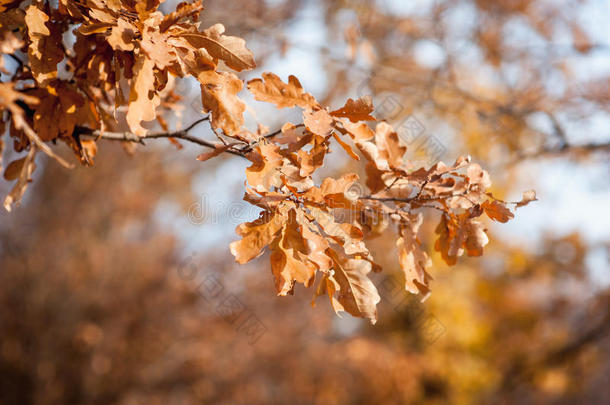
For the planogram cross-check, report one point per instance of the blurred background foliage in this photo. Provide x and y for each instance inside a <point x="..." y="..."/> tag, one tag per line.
<point x="95" y="307"/>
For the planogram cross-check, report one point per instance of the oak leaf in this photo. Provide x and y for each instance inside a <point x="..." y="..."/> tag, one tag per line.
<point x="356" y="293"/>
<point x="219" y="149"/>
<point x="256" y="236"/>
<point x="219" y="97"/>
<point x="528" y="197"/>
<point x="289" y="258"/>
<point x="458" y="234"/>
<point x="319" y="122"/>
<point x="143" y="98"/>
<point x="389" y="145"/>
<point x="183" y="10"/>
<point x="26" y="168"/>
<point x="264" y="173"/>
<point x="413" y="259"/>
<point x="231" y="50"/>
<point x="45" y="51"/>
<point x="14" y="169"/>
<point x="356" y="110"/>
<point x="272" y="89"/>
<point x="497" y="211"/>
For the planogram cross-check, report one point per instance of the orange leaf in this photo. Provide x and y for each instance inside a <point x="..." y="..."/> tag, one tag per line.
<point x="497" y="211"/>
<point x="356" y="110"/>
<point x="271" y="89"/>
<point x="219" y="149"/>
<point x="346" y="147"/>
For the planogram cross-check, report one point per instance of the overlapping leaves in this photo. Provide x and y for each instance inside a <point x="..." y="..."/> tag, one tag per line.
<point x="119" y="72"/>
<point x="317" y="234"/>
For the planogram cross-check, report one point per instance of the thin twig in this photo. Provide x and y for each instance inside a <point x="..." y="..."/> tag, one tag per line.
<point x="267" y="136"/>
<point x="194" y="124"/>
<point x="414" y="198"/>
<point x="279" y="131"/>
<point x="16" y="59"/>
<point x="180" y="134"/>
<point x="565" y="148"/>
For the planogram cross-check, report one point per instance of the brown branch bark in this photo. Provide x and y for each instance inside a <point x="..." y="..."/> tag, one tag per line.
<point x="563" y="149"/>
<point x="180" y="134"/>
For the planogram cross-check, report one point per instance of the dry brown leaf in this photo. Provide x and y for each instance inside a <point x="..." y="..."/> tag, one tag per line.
<point x="264" y="173"/>
<point x="231" y="50"/>
<point x="146" y="8"/>
<point x="272" y="89"/>
<point x="528" y="197"/>
<point x="356" y="293"/>
<point x="158" y="47"/>
<point x="268" y="201"/>
<point x="219" y="149"/>
<point x="35" y="20"/>
<point x="94" y="28"/>
<point x="290" y="176"/>
<point x="25" y="176"/>
<point x="143" y="98"/>
<point x="8" y="98"/>
<point x="89" y="150"/>
<point x="336" y="192"/>
<point x="289" y="258"/>
<point x="183" y="10"/>
<point x="9" y="43"/>
<point x="317" y="245"/>
<point x="457" y="234"/>
<point x="122" y="35"/>
<point x="346" y="235"/>
<point x="256" y="236"/>
<point x="356" y="110"/>
<point x="478" y="176"/>
<point x="497" y="211"/>
<point x="374" y="178"/>
<point x="46" y="49"/>
<point x="314" y="159"/>
<point x="413" y="259"/>
<point x="13" y="170"/>
<point x="219" y="97"/>
<point x="372" y="153"/>
<point x="346" y="147"/>
<point x="358" y="132"/>
<point x="476" y="238"/>
<point x="319" y="122"/>
<point x="389" y="145"/>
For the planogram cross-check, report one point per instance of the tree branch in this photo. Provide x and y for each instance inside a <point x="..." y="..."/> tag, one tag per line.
<point x="180" y="134"/>
<point x="565" y="148"/>
<point x="16" y="59"/>
<point x="410" y="199"/>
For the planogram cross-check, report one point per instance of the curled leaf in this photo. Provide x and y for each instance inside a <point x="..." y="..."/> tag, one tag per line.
<point x="356" y="110"/>
<point x="528" y="197"/>
<point x="497" y="211"/>
<point x="356" y="293"/>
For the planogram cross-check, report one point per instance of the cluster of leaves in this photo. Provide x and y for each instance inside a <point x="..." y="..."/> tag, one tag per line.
<point x="125" y="57"/>
<point x="319" y="231"/>
<point x="119" y="55"/>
